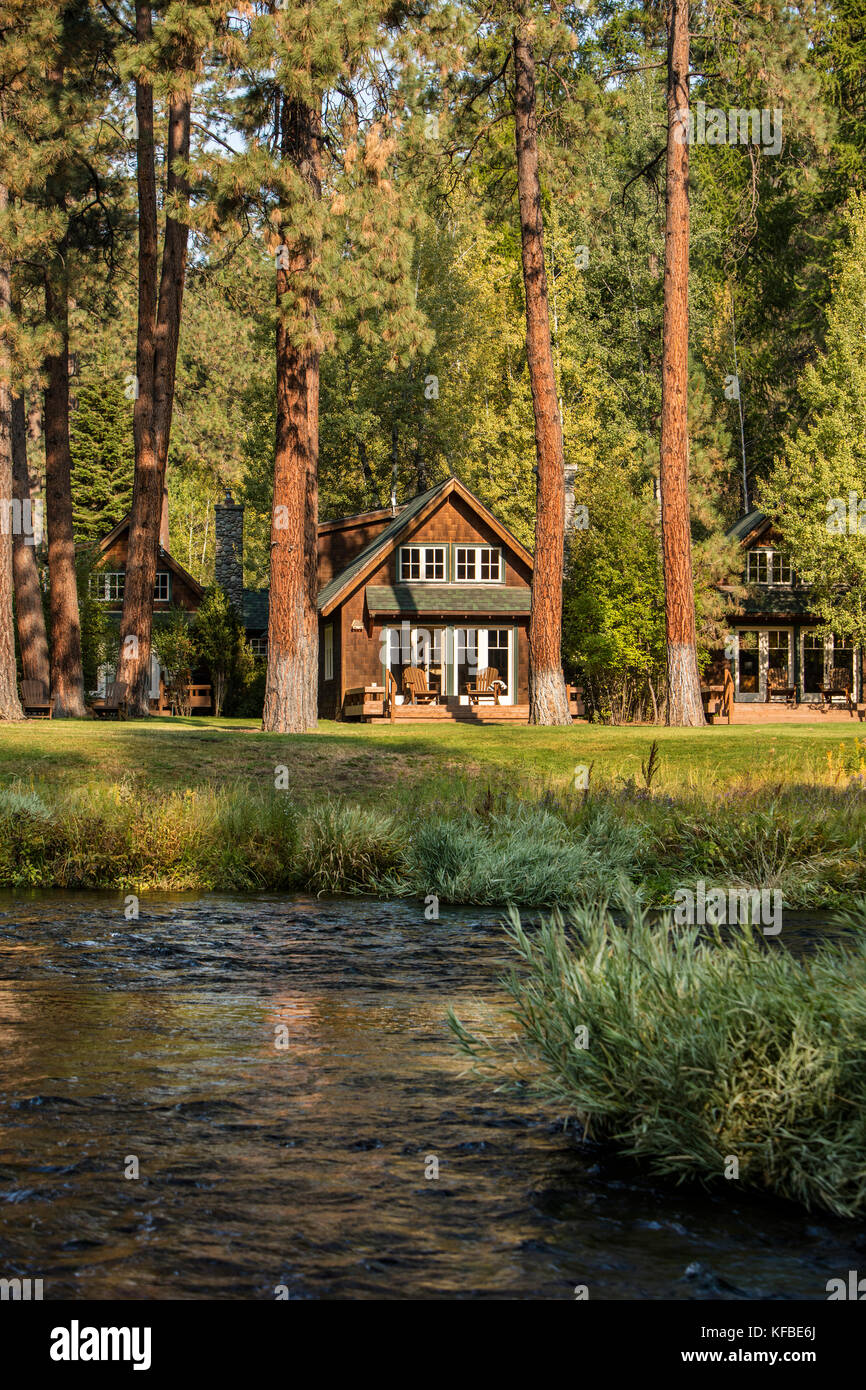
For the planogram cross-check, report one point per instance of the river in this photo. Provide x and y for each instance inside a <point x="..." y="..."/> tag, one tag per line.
<point x="279" y="1073"/>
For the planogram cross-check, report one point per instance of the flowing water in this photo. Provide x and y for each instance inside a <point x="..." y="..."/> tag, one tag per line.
<point x="304" y="1165"/>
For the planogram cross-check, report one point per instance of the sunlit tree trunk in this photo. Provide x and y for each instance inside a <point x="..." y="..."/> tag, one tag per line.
<point x="291" y="692"/>
<point x="10" y="706"/>
<point x="684" y="690"/>
<point x="159" y="318"/>
<point x="548" y="699"/>
<point x="67" y="681"/>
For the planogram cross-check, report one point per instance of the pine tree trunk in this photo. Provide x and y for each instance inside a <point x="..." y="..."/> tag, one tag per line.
<point x="10" y="705"/>
<point x="291" y="692"/>
<point x="548" y="699"/>
<point x="67" y="681"/>
<point x="137" y="616"/>
<point x="684" y="690"/>
<point x="159" y="322"/>
<point x="29" y="613"/>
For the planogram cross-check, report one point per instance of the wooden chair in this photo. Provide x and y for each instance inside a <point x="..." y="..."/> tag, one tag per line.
<point x="114" y="703"/>
<point x="779" y="688"/>
<point x="416" y="691"/>
<point x="837" y="685"/>
<point x="35" y="700"/>
<point x="488" y="684"/>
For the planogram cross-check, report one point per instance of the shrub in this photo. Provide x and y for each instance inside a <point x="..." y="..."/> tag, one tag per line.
<point x="696" y="1050"/>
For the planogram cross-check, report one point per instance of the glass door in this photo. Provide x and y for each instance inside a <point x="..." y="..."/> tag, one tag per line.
<point x="748" y="665"/>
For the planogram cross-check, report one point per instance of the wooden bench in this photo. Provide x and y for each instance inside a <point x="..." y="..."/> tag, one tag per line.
<point x="199" y="697"/>
<point x="364" y="701"/>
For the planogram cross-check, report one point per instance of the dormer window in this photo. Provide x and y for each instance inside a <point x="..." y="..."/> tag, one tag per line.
<point x="423" y="562"/>
<point x="767" y="566"/>
<point x="478" y="563"/>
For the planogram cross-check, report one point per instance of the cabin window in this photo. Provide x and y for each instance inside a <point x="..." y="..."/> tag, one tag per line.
<point x="329" y="653"/>
<point x="478" y="563"/>
<point x="259" y="646"/>
<point x="108" y="586"/>
<point x="422" y="562"/>
<point x="767" y="567"/>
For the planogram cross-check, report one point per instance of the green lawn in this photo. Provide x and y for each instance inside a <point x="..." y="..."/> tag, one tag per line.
<point x="476" y="815"/>
<point x="369" y="761"/>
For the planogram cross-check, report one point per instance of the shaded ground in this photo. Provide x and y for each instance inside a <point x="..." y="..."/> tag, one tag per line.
<point x="365" y="761"/>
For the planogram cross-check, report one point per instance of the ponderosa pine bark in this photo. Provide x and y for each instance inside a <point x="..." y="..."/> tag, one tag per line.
<point x="684" y="688"/>
<point x="29" y="613"/>
<point x="10" y="705"/>
<point x="548" y="698"/>
<point x="67" y="681"/>
<point x="291" y="692"/>
<point x="159" y="317"/>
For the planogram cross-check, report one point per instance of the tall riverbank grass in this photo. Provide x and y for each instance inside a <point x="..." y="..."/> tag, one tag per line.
<point x="713" y="1060"/>
<point x="463" y="841"/>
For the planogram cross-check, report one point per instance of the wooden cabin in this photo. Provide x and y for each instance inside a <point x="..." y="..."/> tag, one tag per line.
<point x="438" y="584"/>
<point x="774" y="651"/>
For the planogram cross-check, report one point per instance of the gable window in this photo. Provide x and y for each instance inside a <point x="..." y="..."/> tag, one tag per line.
<point x="767" y="567"/>
<point x="422" y="562"/>
<point x="108" y="586"/>
<point x="479" y="563"/>
<point x="259" y="646"/>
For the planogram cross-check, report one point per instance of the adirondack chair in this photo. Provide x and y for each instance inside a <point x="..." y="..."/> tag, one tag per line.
<point x="780" y="688"/>
<point x="35" y="700"/>
<point x="416" y="691"/>
<point x="488" y="684"/>
<point x="114" y="702"/>
<point x="837" y="686"/>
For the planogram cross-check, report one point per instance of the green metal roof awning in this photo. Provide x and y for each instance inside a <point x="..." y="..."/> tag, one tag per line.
<point x="481" y="600"/>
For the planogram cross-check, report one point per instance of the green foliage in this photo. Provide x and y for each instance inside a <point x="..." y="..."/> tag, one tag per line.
<point x="809" y="492"/>
<point x="99" y="635"/>
<point x="217" y="634"/>
<point x="696" y="1050"/>
<point x="103" y="460"/>
<point x="176" y="649"/>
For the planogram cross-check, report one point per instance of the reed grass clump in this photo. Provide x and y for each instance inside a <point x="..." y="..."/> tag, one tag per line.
<point x="686" y="1052"/>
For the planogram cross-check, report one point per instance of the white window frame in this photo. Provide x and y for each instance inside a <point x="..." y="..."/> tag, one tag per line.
<point x="259" y="646"/>
<point x="157" y="596"/>
<point x="328" y="636"/>
<point x="107" y="586"/>
<point x="774" y="561"/>
<point x="423" y="553"/>
<point x="479" y="554"/>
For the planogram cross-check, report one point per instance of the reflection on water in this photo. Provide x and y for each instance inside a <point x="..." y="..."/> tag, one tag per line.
<point x="304" y="1165"/>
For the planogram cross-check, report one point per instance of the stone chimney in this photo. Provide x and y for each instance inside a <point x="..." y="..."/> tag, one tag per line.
<point x="229" y="550"/>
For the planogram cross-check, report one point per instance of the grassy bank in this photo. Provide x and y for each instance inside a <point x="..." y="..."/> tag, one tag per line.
<point x="486" y="816"/>
<point x="713" y="1061"/>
